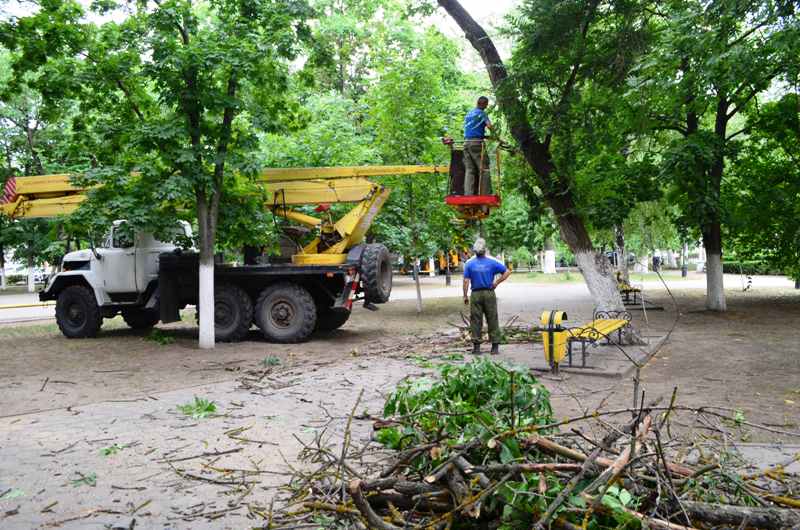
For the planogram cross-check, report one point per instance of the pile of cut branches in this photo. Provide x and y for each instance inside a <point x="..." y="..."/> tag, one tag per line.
<point x="479" y="448"/>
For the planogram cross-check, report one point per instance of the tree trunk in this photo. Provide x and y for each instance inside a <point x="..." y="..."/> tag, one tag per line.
<point x="555" y="187"/>
<point x="715" y="291"/>
<point x="685" y="260"/>
<point x="2" y="268"/>
<point x="205" y="295"/>
<point x="31" y="281"/>
<point x="416" y="283"/>
<point x="37" y="167"/>
<point x="549" y="257"/>
<point x="622" y="258"/>
<point x="712" y="230"/>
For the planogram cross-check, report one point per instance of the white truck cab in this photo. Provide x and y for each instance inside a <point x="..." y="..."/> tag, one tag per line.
<point x="119" y="276"/>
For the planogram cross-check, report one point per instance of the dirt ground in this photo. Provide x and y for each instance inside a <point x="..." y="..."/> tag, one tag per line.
<point x="62" y="401"/>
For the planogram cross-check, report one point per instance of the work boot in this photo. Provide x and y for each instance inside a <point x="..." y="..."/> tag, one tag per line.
<point x="495" y="349"/>
<point x="476" y="348"/>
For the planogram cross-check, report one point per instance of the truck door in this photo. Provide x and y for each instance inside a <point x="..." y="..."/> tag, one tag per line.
<point x="118" y="266"/>
<point x="148" y="248"/>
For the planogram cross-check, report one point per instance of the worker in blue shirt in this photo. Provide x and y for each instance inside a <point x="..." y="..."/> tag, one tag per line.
<point x="479" y="273"/>
<point x="476" y="160"/>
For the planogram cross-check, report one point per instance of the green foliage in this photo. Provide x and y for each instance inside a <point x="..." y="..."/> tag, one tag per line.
<point x="334" y="135"/>
<point x="160" y="337"/>
<point x="12" y="493"/>
<point x="111" y="449"/>
<point x="270" y="360"/>
<point x="522" y="257"/>
<point x="477" y="400"/>
<point x="651" y="225"/>
<point x="496" y="405"/>
<point x="175" y="92"/>
<point x="414" y="102"/>
<point x="751" y="267"/>
<point x="85" y="479"/>
<point x="199" y="408"/>
<point x="570" y="66"/>
<point x="763" y="192"/>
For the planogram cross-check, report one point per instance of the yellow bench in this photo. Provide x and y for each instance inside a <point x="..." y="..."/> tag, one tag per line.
<point x="626" y="290"/>
<point x="603" y="326"/>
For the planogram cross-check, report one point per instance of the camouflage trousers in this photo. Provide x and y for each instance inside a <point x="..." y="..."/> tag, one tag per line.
<point x="483" y="303"/>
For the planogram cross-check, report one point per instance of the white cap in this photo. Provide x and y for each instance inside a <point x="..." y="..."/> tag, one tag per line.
<point x="480" y="246"/>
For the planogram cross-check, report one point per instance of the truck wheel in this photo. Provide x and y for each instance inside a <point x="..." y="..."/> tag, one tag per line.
<point x="138" y="318"/>
<point x="285" y="312"/>
<point x="233" y="313"/>
<point x="77" y="313"/>
<point x="328" y="320"/>
<point x="376" y="272"/>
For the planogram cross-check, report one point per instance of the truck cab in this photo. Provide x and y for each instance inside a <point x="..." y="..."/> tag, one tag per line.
<point x="120" y="276"/>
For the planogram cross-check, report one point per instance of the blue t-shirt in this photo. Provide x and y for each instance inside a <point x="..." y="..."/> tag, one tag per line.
<point x="481" y="271"/>
<point x="475" y="124"/>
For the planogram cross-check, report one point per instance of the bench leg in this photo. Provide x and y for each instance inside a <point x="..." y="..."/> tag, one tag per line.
<point x="583" y="354"/>
<point x="569" y="351"/>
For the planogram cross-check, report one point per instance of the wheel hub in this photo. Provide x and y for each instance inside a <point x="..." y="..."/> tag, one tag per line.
<point x="223" y="314"/>
<point x="75" y="314"/>
<point x="282" y="314"/>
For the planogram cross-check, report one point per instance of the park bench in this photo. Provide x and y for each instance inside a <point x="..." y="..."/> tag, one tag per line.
<point x="603" y="326"/>
<point x="626" y="290"/>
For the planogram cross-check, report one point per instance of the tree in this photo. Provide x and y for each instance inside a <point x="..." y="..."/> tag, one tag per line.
<point x="763" y="191"/>
<point x="29" y="239"/>
<point x="561" y="48"/>
<point x="711" y="63"/>
<point x="410" y="107"/>
<point x="183" y="88"/>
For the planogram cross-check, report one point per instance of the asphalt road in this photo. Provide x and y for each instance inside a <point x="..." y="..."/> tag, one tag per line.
<point x="433" y="287"/>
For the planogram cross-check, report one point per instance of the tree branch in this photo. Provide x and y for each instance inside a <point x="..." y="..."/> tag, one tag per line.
<point x="130" y="99"/>
<point x="222" y="145"/>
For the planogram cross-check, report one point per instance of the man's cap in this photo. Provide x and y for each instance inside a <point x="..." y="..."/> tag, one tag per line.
<point x="479" y="246"/>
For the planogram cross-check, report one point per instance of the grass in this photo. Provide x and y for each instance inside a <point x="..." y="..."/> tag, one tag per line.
<point x="577" y="277"/>
<point x="199" y="408"/>
<point x="159" y="337"/>
<point x="88" y="479"/>
<point x="271" y="360"/>
<point x="111" y="449"/>
<point x="540" y="277"/>
<point x="38" y="329"/>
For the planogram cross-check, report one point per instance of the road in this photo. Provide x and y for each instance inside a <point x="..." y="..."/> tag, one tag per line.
<point x="434" y="288"/>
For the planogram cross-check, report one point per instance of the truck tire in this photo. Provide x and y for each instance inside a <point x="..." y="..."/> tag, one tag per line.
<point x="285" y="312"/>
<point x="139" y="318"/>
<point x="77" y="313"/>
<point x="328" y="320"/>
<point x="376" y="273"/>
<point x="233" y="313"/>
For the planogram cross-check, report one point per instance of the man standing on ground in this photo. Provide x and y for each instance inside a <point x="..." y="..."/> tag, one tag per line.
<point x="479" y="273"/>
<point x="476" y="159"/>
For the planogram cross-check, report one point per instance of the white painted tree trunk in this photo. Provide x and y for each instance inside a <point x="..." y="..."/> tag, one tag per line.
<point x="431" y="268"/>
<point x="416" y="283"/>
<point x="549" y="263"/>
<point x="3" y="283"/>
<point x="31" y="281"/>
<point x="715" y="290"/>
<point x="599" y="278"/>
<point x="206" y="303"/>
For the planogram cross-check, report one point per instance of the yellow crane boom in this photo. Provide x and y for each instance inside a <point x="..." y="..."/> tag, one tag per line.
<point x="54" y="195"/>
